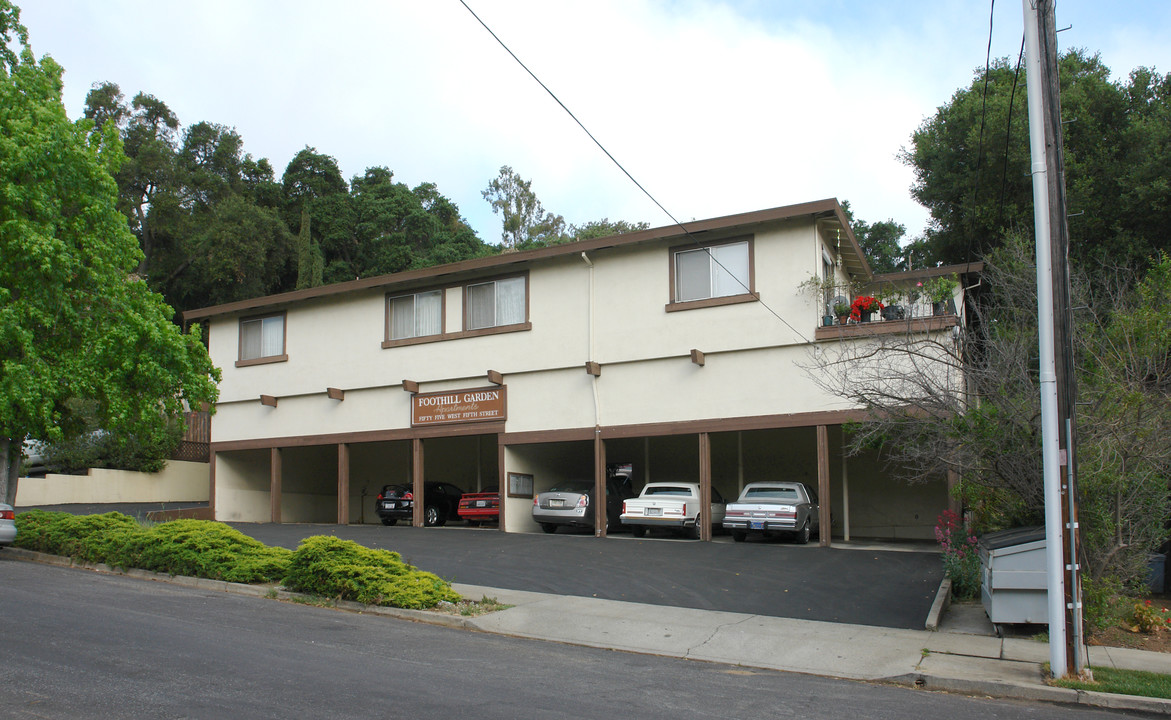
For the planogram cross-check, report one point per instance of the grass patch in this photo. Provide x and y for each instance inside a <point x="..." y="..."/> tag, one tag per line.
<point x="1122" y="682"/>
<point x="472" y="608"/>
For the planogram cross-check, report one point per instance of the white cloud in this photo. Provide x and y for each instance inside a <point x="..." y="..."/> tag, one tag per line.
<point x="715" y="107"/>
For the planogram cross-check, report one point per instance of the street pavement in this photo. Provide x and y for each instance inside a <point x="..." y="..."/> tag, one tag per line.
<point x="963" y="655"/>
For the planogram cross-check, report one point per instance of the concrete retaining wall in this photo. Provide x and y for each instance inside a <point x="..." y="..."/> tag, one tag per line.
<point x="178" y="482"/>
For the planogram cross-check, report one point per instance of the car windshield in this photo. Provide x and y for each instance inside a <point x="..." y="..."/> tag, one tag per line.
<point x="669" y="490"/>
<point x="780" y="493"/>
<point x="577" y="486"/>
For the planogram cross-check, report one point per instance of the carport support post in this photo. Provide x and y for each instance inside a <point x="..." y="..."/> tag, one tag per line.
<point x="823" y="514"/>
<point x="705" y="486"/>
<point x="343" y="484"/>
<point x="417" y="481"/>
<point x="274" y="484"/>
<point x="503" y="484"/>
<point x="602" y="505"/>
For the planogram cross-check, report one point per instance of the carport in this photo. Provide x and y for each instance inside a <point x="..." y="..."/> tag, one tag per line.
<point x="305" y="482"/>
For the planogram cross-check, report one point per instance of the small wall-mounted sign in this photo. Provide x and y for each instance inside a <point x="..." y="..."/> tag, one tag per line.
<point x="488" y="404"/>
<point x="520" y="485"/>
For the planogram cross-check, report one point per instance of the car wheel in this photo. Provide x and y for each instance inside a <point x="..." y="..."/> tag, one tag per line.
<point x="431" y="516"/>
<point x="803" y="534"/>
<point x="388" y="521"/>
<point x="697" y="531"/>
<point x="739" y="535"/>
<point x="549" y="528"/>
<point x="638" y="531"/>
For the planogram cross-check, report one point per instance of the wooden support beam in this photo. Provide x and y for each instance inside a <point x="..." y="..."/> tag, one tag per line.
<point x="274" y="484"/>
<point x="495" y="378"/>
<point x="335" y="393"/>
<point x="503" y="484"/>
<point x="410" y="386"/>
<point x="593" y="368"/>
<point x="417" y="481"/>
<point x="697" y="357"/>
<point x="343" y="484"/>
<point x="705" y="486"/>
<point x="268" y="400"/>
<point x="823" y="496"/>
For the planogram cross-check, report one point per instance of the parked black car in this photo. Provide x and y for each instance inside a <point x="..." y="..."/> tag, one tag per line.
<point x="397" y="502"/>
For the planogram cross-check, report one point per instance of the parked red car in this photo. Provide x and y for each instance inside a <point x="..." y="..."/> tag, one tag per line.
<point x="481" y="507"/>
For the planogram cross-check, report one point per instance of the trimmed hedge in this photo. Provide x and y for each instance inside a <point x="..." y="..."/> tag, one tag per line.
<point x="322" y="565"/>
<point x="345" y="570"/>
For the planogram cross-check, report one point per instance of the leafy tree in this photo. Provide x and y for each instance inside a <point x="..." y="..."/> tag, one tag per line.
<point x="972" y="165"/>
<point x="525" y="221"/>
<point x="972" y="405"/>
<point x="880" y="242"/>
<point x="605" y="227"/>
<point x="75" y="322"/>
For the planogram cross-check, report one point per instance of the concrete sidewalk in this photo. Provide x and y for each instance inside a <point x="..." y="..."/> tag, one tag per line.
<point x="952" y="659"/>
<point x="942" y="660"/>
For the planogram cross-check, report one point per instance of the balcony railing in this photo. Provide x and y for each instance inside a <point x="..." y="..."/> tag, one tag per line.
<point x="903" y="306"/>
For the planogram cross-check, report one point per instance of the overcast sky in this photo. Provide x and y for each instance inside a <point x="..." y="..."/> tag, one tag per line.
<point x="714" y="107"/>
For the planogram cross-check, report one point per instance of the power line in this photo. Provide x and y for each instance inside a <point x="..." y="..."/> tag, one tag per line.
<point x="637" y="184"/>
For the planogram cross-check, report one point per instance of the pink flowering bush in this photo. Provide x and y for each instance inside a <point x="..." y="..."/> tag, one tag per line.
<point x="961" y="561"/>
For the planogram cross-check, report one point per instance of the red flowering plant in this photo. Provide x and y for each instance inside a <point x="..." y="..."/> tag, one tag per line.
<point x="961" y="561"/>
<point x="1149" y="618"/>
<point x="862" y="304"/>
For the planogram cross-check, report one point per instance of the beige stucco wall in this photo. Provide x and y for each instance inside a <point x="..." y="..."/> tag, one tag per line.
<point x="177" y="482"/>
<point x="647" y="377"/>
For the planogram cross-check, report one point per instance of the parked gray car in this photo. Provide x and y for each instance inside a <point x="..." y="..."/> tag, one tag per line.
<point x="771" y="508"/>
<point x="7" y="524"/>
<point x="572" y="504"/>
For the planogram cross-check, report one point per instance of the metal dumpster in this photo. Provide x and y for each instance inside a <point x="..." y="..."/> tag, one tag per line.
<point x="1014" y="588"/>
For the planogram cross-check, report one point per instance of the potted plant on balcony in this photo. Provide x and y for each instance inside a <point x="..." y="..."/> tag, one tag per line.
<point x="863" y="307"/>
<point x="820" y="289"/>
<point x="842" y="310"/>
<point x="941" y="291"/>
<point x="888" y="297"/>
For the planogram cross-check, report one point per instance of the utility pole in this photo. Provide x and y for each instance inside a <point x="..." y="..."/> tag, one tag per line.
<point x="1058" y="389"/>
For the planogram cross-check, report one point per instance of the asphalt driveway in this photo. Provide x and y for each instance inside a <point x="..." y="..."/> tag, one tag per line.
<point x="857" y="585"/>
<point x="860" y="584"/>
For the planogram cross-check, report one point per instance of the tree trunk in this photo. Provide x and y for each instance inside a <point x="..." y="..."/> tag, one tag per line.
<point x="9" y="469"/>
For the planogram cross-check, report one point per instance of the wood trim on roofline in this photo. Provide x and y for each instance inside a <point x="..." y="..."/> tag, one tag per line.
<point x="817" y="208"/>
<point x="683" y="427"/>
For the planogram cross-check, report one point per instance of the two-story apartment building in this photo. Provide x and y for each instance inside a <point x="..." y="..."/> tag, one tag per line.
<point x="679" y="352"/>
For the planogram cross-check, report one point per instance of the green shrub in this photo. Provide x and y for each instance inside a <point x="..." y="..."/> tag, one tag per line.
<point x="92" y="538"/>
<point x="343" y="569"/>
<point x="1104" y="602"/>
<point x="204" y="548"/>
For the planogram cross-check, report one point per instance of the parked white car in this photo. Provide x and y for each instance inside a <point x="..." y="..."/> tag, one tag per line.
<point x="671" y="505"/>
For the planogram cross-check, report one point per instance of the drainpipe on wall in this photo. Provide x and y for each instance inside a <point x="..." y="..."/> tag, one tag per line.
<point x="590" y="355"/>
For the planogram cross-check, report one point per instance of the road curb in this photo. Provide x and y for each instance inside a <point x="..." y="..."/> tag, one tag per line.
<point x="942" y="600"/>
<point x="423" y="616"/>
<point x="1036" y="692"/>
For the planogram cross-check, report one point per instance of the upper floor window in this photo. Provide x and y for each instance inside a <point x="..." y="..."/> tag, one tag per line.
<point x="722" y="270"/>
<point x="413" y="316"/>
<point x="496" y="303"/>
<point x="262" y="339"/>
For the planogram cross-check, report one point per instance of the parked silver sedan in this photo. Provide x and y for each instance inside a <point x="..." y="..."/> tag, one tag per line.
<point x="7" y="524"/>
<point x="572" y="504"/>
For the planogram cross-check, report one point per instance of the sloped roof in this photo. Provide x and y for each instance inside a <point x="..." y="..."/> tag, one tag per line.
<point x="828" y="214"/>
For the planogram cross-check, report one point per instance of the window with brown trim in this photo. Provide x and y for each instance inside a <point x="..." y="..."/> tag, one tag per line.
<point x="414" y="316"/>
<point x="712" y="274"/>
<point x="262" y="339"/>
<point x="496" y="303"/>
